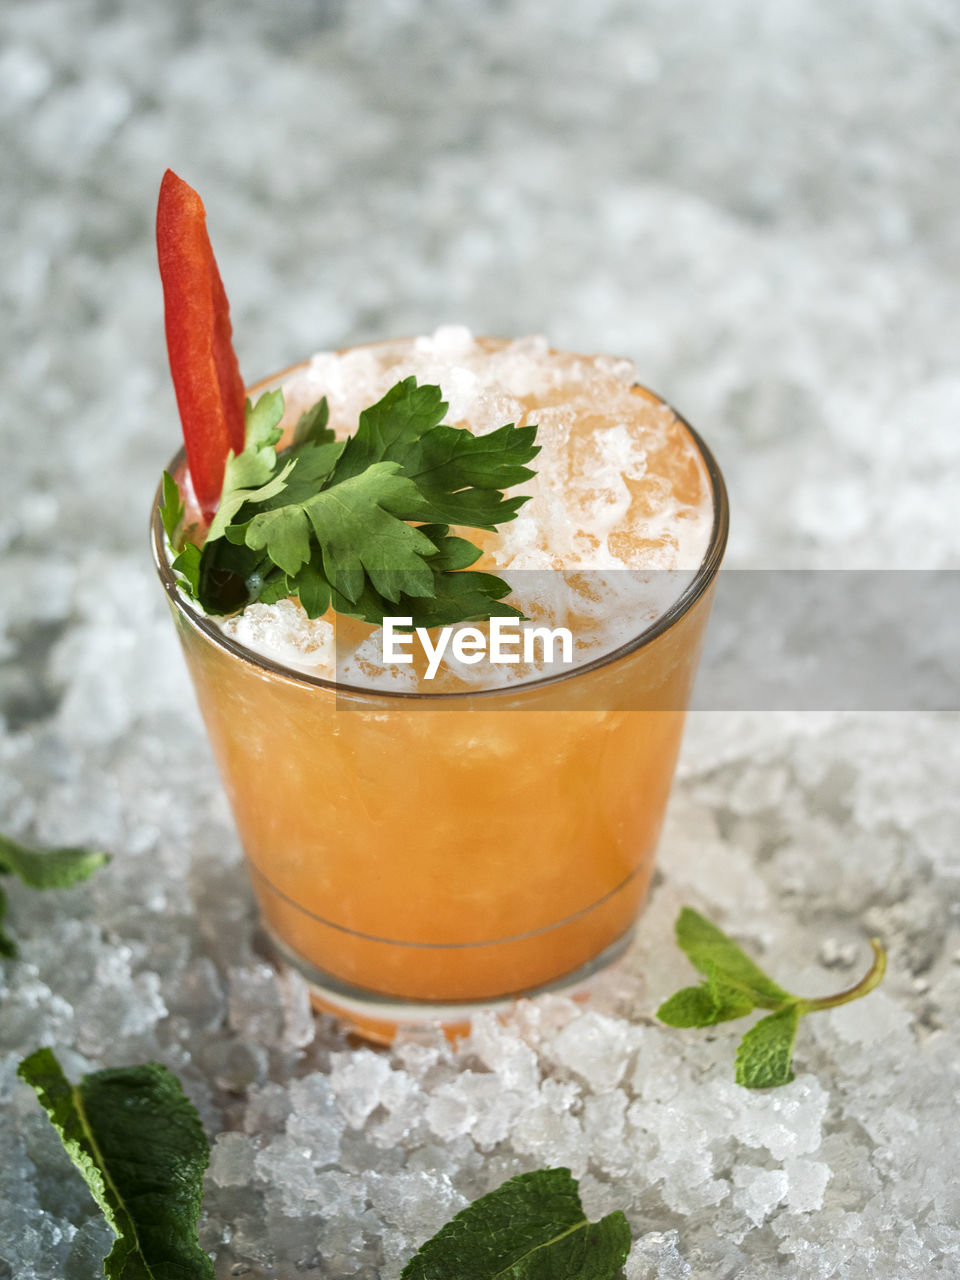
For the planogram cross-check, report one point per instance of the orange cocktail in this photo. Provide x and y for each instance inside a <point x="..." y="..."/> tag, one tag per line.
<point x="420" y="848"/>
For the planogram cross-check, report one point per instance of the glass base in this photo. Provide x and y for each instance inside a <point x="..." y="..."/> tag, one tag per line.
<point x="378" y="1017"/>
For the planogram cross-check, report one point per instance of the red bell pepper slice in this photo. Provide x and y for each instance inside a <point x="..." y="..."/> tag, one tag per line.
<point x="206" y="375"/>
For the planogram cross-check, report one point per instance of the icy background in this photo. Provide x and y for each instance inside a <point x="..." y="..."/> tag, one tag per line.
<point x="758" y="203"/>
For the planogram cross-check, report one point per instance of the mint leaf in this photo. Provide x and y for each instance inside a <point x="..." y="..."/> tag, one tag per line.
<point x="140" y="1146"/>
<point x="42" y="869"/>
<point x="8" y="948"/>
<point x="765" y="1055"/>
<point x="735" y="986"/>
<point x="698" y="1007"/>
<point x="688" y="1007"/>
<point x="712" y="1002"/>
<point x="711" y="951"/>
<point x="728" y="1001"/>
<point x="49" y="868"/>
<point x="531" y="1228"/>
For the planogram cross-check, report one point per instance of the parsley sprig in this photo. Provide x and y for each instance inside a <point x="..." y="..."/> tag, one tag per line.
<point x="734" y="986"/>
<point x="361" y="524"/>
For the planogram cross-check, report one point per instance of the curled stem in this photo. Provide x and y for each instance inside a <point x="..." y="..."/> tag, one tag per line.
<point x="867" y="983"/>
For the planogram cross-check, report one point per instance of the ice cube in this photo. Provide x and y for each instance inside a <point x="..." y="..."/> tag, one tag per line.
<point x="358" y="1080"/>
<point x="513" y="1061"/>
<point x="656" y="1256"/>
<point x="255" y="1003"/>
<point x="597" y="1048"/>
<point x="807" y="1184"/>
<point x="232" y="1159"/>
<point x="758" y="1191"/>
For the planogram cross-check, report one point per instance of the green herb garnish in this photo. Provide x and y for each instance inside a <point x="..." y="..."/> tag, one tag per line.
<point x="139" y="1144"/>
<point x="734" y="986"/>
<point x="361" y="524"/>
<point x="531" y="1228"/>
<point x="43" y="869"/>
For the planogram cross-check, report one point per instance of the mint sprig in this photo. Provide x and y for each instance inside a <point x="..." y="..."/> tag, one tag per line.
<point x="531" y="1228"/>
<point x="362" y="524"/>
<point x="138" y="1141"/>
<point x="734" y="986"/>
<point x="43" y="869"/>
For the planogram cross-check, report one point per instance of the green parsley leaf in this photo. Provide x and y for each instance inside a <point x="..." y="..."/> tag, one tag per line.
<point x="312" y="426"/>
<point x="277" y="586"/>
<point x="187" y="568"/>
<point x="735" y="986"/>
<point x="284" y="533"/>
<point x="314" y="466"/>
<point x="457" y="472"/>
<point x="186" y="562"/>
<point x="401" y="417"/>
<point x="452" y="552"/>
<point x="171" y="508"/>
<point x="139" y="1144"/>
<point x="251" y="476"/>
<point x="460" y="474"/>
<point x="361" y="524"/>
<point x="765" y="1055"/>
<point x="458" y="597"/>
<point x="230" y="576"/>
<point x="361" y="529"/>
<point x="531" y="1228"/>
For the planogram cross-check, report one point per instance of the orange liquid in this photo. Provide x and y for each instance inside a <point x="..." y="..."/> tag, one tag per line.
<point x="453" y="850"/>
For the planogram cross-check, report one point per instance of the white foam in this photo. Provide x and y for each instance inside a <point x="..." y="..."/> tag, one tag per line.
<point x="284" y="633"/>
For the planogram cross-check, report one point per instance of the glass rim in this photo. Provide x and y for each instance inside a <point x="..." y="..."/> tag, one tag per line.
<point x="692" y="592"/>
